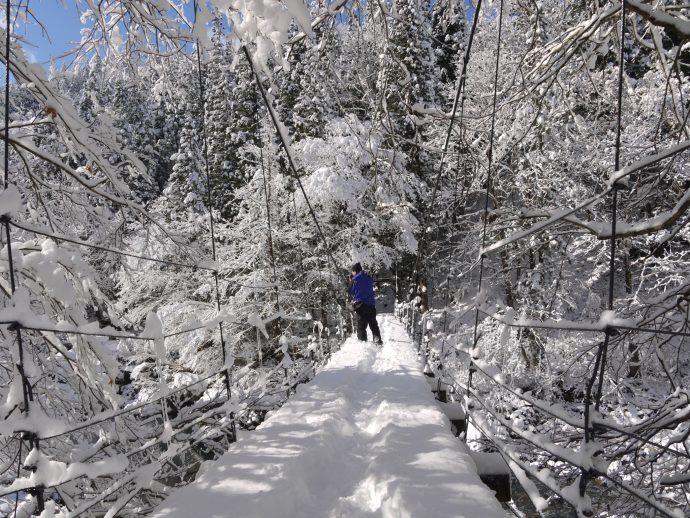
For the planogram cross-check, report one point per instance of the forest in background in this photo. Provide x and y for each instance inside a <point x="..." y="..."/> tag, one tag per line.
<point x="160" y="120"/>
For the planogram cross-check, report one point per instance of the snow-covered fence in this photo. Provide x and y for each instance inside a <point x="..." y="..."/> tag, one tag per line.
<point x="544" y="441"/>
<point x="121" y="460"/>
<point x="128" y="457"/>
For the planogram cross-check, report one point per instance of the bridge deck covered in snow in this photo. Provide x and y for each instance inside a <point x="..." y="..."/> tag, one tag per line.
<point x="364" y="438"/>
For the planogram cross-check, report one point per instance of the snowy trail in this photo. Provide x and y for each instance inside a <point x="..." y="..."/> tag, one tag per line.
<point x="363" y="439"/>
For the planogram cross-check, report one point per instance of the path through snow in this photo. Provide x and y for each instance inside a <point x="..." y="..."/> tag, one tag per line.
<point x="363" y="439"/>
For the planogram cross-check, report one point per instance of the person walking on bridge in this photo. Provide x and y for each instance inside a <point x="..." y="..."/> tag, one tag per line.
<point x="364" y="303"/>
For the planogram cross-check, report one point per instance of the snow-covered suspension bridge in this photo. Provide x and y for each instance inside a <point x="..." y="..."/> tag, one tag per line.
<point x="364" y="438"/>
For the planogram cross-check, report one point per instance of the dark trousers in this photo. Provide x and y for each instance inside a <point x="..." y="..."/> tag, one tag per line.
<point x="366" y="316"/>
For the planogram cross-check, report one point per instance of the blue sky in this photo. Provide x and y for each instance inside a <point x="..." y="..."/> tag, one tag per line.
<point x="62" y="24"/>
<point x="61" y="21"/>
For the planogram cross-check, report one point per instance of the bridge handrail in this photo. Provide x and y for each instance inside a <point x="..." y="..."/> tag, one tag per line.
<point x="542" y="443"/>
<point x="200" y="435"/>
<point x="552" y="450"/>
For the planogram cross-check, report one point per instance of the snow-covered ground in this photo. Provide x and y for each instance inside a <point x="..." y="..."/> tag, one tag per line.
<point x="364" y="438"/>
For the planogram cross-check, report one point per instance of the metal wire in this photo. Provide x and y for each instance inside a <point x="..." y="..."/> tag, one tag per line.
<point x="609" y="330"/>
<point x="67" y="239"/>
<point x="586" y="475"/>
<point x="79" y="242"/>
<point x="459" y="97"/>
<point x="6" y="138"/>
<point x="648" y="499"/>
<point x="272" y="355"/>
<point x="57" y="330"/>
<point x="288" y="153"/>
<point x="197" y="420"/>
<point x="475" y="337"/>
<point x="601" y="363"/>
<point x="572" y="422"/>
<point x="594" y="327"/>
<point x="202" y="102"/>
<point x="505" y="423"/>
<point x="269" y="231"/>
<point x="114" y="333"/>
<point x="27" y="391"/>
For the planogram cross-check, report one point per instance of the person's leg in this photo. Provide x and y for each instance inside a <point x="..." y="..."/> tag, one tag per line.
<point x="361" y="325"/>
<point x="373" y="324"/>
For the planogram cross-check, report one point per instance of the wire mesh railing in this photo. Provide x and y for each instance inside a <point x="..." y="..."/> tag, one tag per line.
<point x="540" y="434"/>
<point x="122" y="462"/>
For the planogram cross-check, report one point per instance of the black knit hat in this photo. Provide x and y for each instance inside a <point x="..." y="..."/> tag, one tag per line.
<point x="356" y="267"/>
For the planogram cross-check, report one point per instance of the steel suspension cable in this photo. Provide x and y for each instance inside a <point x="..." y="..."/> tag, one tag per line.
<point x="614" y="191"/>
<point x="6" y="139"/>
<point x="202" y="102"/>
<point x="288" y="153"/>
<point x="451" y="253"/>
<point x="600" y="361"/>
<point x="299" y="246"/>
<point x="269" y="232"/>
<point x="295" y="175"/>
<point x="271" y="252"/>
<point x="27" y="391"/>
<point x="486" y="200"/>
<point x="67" y="239"/>
<point x="459" y="98"/>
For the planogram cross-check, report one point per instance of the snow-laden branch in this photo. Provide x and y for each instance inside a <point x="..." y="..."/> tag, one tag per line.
<point x="657" y="16"/>
<point x="19" y="312"/>
<point x="675" y="413"/>
<point x="82" y="137"/>
<point x="584" y="458"/>
<point x="659" y="222"/>
<point x="553" y="217"/>
<point x="607" y="320"/>
<point x="50" y="473"/>
<point x="513" y="459"/>
<point x="201" y="265"/>
<point x="331" y="10"/>
<point x="600" y="229"/>
<point x="550" y="59"/>
<point x="120" y="30"/>
<point x="48" y="336"/>
<point x="640" y="164"/>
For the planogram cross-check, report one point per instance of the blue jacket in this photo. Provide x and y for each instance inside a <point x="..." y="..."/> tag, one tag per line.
<point x="362" y="289"/>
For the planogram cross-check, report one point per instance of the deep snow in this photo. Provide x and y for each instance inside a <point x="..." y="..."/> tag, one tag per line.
<point x="364" y="438"/>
